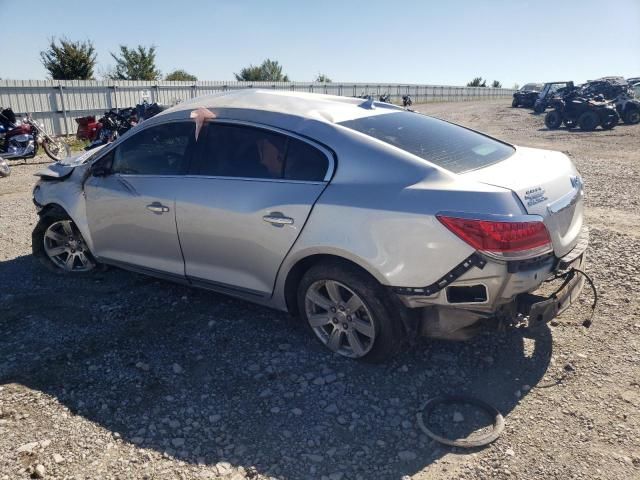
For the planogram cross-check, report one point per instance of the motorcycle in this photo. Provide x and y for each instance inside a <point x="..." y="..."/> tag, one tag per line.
<point x="113" y="123"/>
<point x="587" y="113"/>
<point x="23" y="139"/>
<point x="406" y="101"/>
<point x="386" y="98"/>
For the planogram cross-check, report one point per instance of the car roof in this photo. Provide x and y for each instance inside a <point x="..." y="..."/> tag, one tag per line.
<point x="313" y="106"/>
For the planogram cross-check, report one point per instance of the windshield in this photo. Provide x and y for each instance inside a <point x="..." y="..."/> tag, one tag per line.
<point x="447" y="145"/>
<point x="532" y="86"/>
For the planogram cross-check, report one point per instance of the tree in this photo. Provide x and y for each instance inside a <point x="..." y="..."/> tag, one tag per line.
<point x="322" y="78"/>
<point x="477" y="82"/>
<point x="496" y="84"/>
<point x="180" y="76"/>
<point x="67" y="60"/>
<point x="135" y="64"/>
<point x="516" y="86"/>
<point x="268" y="71"/>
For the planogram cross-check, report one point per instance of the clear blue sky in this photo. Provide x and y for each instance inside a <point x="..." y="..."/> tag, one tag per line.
<point x="412" y="41"/>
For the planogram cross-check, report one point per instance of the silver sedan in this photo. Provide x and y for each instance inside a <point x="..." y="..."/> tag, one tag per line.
<point x="372" y="223"/>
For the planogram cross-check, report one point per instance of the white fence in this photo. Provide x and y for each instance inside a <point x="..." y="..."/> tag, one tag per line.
<point x="57" y="103"/>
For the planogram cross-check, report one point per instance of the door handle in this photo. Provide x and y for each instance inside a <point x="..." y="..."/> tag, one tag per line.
<point x="157" y="207"/>
<point x="277" y="219"/>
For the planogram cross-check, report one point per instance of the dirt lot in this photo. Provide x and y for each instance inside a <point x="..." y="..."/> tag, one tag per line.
<point x="117" y="375"/>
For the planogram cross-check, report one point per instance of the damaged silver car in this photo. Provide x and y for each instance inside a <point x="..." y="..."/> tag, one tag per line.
<point x="372" y="223"/>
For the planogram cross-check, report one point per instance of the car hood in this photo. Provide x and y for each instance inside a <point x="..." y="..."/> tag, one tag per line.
<point x="62" y="169"/>
<point x="547" y="184"/>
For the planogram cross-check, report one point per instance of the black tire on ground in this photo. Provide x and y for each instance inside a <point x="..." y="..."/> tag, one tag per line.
<point x="588" y="121"/>
<point x="553" y="120"/>
<point x="539" y="108"/>
<point x="514" y="103"/>
<point x="631" y="115"/>
<point x="610" y="120"/>
<point x="389" y="332"/>
<point x="51" y="216"/>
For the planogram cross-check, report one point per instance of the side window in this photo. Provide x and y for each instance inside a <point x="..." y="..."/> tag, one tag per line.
<point x="305" y="162"/>
<point x="241" y="151"/>
<point x="159" y="150"/>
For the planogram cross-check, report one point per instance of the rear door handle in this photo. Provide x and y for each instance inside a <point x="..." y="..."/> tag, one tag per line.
<point x="157" y="207"/>
<point x="277" y="219"/>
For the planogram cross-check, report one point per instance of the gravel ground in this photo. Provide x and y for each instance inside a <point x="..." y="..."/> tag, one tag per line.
<point x="118" y="376"/>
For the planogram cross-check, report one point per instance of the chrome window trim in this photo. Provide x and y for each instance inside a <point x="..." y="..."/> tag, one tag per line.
<point x="325" y="151"/>
<point x="214" y="177"/>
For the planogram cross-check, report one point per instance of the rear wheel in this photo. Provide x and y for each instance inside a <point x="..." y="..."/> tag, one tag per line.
<point x="632" y="116"/>
<point x="349" y="312"/>
<point x="59" y="245"/>
<point x="553" y="120"/>
<point x="588" y="121"/>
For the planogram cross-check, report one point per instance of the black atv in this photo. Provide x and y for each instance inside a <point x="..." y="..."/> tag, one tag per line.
<point x="527" y="95"/>
<point x="618" y="91"/>
<point x="586" y="113"/>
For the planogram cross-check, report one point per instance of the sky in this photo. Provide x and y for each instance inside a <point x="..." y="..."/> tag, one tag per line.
<point x="405" y="41"/>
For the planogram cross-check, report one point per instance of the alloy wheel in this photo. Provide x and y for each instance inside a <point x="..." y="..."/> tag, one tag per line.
<point x="66" y="248"/>
<point x="340" y="318"/>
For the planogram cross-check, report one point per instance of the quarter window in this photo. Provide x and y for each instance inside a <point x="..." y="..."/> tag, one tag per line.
<point x="159" y="150"/>
<point x="305" y="162"/>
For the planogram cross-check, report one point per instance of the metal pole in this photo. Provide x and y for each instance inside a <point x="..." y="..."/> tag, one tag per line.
<point x="64" y="111"/>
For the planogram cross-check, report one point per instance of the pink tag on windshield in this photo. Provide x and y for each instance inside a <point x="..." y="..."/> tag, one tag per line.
<point x="200" y="116"/>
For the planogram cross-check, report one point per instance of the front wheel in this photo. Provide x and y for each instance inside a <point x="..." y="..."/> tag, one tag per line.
<point x="349" y="312"/>
<point x="539" y="107"/>
<point x="59" y="245"/>
<point x="56" y="149"/>
<point x="553" y="120"/>
<point x="514" y="103"/>
<point x="609" y="121"/>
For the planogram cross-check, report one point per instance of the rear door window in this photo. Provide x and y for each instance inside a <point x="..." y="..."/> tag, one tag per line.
<point x="449" y="146"/>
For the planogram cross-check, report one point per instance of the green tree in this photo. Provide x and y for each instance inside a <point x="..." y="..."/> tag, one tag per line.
<point x="268" y="71"/>
<point x="68" y="60"/>
<point x="322" y="78"/>
<point x="135" y="64"/>
<point x="180" y="76"/>
<point x="477" y="82"/>
<point x="496" y="84"/>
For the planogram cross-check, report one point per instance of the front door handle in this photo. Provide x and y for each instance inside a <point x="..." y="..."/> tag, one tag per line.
<point x="157" y="207"/>
<point x="277" y="219"/>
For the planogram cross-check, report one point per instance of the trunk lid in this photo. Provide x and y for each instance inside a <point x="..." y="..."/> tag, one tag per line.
<point x="547" y="184"/>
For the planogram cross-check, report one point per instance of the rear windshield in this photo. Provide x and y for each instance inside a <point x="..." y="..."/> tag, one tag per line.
<point x="532" y="86"/>
<point x="444" y="144"/>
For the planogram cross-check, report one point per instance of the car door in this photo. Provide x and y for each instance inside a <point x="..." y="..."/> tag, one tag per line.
<point x="244" y="203"/>
<point x="131" y="204"/>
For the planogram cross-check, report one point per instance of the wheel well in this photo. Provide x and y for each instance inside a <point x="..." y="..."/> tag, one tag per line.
<point x="52" y="207"/>
<point x="302" y="266"/>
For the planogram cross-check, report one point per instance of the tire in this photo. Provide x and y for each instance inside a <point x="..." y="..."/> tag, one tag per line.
<point x="609" y="121"/>
<point x="58" y="150"/>
<point x="539" y="107"/>
<point x="514" y="103"/>
<point x="360" y="324"/>
<point x="553" y="120"/>
<point x="55" y="232"/>
<point x="632" y="116"/>
<point x="588" y="121"/>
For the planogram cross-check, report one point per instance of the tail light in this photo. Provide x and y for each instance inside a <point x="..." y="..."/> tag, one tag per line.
<point x="503" y="239"/>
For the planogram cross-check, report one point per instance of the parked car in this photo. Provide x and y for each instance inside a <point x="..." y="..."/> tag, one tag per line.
<point x="527" y="95"/>
<point x="372" y="223"/>
<point x="548" y="91"/>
